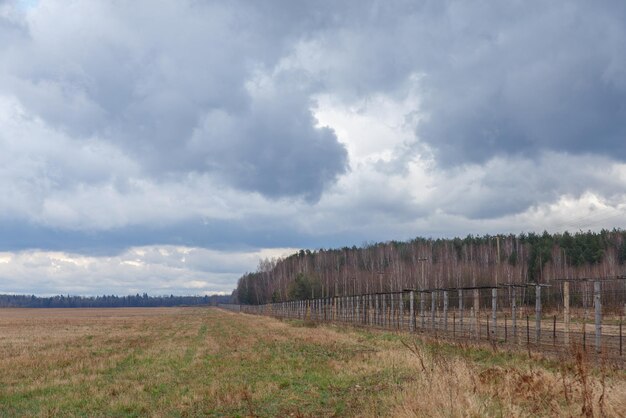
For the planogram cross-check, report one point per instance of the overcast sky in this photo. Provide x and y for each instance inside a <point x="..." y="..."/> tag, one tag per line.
<point x="166" y="146"/>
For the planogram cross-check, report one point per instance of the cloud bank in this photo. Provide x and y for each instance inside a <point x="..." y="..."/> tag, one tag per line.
<point x="245" y="127"/>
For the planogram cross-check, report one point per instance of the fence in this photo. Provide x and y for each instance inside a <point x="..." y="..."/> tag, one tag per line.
<point x="526" y="316"/>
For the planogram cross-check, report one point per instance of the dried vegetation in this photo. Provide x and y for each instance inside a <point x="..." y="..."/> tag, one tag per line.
<point x="207" y="362"/>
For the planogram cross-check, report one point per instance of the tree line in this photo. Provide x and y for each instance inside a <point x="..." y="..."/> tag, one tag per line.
<point x="108" y="301"/>
<point x="424" y="263"/>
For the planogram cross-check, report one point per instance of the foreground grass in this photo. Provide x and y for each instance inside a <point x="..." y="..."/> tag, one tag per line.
<point x="208" y="362"/>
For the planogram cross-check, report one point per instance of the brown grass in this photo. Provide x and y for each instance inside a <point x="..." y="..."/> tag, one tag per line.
<point x="208" y="362"/>
<point x="456" y="386"/>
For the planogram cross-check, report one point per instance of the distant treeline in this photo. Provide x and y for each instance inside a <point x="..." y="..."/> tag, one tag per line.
<point x="424" y="263"/>
<point x="112" y="301"/>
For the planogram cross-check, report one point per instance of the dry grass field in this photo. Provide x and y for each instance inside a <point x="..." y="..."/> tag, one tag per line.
<point x="208" y="362"/>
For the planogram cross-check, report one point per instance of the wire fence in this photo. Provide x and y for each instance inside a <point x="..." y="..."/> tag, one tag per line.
<point x="521" y="316"/>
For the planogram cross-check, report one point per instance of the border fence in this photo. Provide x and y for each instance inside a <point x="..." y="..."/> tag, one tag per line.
<point x="585" y="313"/>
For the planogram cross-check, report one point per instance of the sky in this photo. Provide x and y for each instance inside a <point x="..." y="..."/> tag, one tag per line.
<point x="166" y="146"/>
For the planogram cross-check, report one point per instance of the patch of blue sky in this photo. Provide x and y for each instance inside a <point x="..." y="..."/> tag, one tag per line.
<point x="27" y="4"/>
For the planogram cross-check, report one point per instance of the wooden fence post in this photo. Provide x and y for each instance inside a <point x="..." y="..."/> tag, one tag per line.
<point x="514" y="314"/>
<point x="376" y="310"/>
<point x="494" y="302"/>
<point x="412" y="310"/>
<point x="401" y="311"/>
<point x="422" y="318"/>
<point x="392" y="305"/>
<point x="433" y="300"/>
<point x="445" y="311"/>
<point x="383" y="308"/>
<point x="477" y="313"/>
<point x="598" y="308"/>
<point x="461" y="311"/>
<point x="528" y="334"/>
<point x="538" y="313"/>
<point x="621" y="320"/>
<point x="566" y="312"/>
<point x="473" y="324"/>
<point x="453" y="324"/>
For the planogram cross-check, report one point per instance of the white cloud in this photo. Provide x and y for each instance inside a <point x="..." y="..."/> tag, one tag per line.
<point x="157" y="270"/>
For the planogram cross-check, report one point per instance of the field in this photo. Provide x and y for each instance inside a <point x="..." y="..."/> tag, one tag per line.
<point x="209" y="362"/>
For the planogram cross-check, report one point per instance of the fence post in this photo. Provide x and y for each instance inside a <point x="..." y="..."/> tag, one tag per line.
<point x="477" y="312"/>
<point x="514" y="314"/>
<point x="598" y="308"/>
<point x="566" y="312"/>
<point x="393" y="313"/>
<point x="412" y="311"/>
<point x="366" y="309"/>
<point x="340" y="309"/>
<point x="528" y="334"/>
<point x="351" y="315"/>
<point x="538" y="313"/>
<point x="461" y="310"/>
<point x="506" y="331"/>
<point x="360" y="314"/>
<point x="584" y="325"/>
<point x="620" y="336"/>
<point x="320" y="312"/>
<point x="376" y="309"/>
<point x="445" y="311"/>
<point x="383" y="310"/>
<point x="422" y="318"/>
<point x="401" y="310"/>
<point x="328" y="308"/>
<point x="433" y="300"/>
<point x="494" y="301"/>
<point x="453" y="325"/>
<point x="472" y="323"/>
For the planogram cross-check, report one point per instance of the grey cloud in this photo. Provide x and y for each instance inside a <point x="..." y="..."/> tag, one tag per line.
<point x="273" y="147"/>
<point x="225" y="90"/>
<point x="148" y="88"/>
<point x="496" y="78"/>
<point x="509" y="186"/>
<point x="517" y="83"/>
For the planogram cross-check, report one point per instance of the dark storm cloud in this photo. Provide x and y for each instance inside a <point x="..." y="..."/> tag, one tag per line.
<point x="518" y="79"/>
<point x="164" y="91"/>
<point x="272" y="147"/>
<point x="496" y="78"/>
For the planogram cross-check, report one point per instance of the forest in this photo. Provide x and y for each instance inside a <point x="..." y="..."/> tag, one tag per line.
<point x="106" y="301"/>
<point x="426" y="263"/>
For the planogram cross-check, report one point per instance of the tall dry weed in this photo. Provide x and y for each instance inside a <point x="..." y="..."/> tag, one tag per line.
<point x="455" y="386"/>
